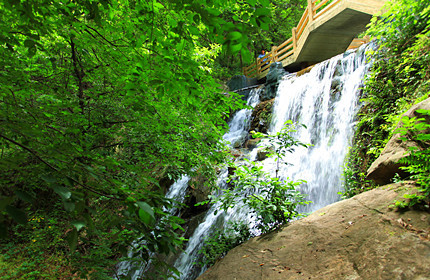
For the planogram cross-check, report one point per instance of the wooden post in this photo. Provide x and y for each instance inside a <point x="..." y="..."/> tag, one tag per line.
<point x="257" y="64"/>
<point x="311" y="12"/>
<point x="294" y="31"/>
<point x="274" y="53"/>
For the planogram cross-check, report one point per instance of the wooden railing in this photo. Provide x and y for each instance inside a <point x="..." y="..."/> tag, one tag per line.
<point x="314" y="10"/>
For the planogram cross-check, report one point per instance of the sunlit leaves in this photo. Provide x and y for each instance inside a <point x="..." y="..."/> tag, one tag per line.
<point x="417" y="163"/>
<point x="103" y="101"/>
<point x="78" y="225"/>
<point x="146" y="214"/>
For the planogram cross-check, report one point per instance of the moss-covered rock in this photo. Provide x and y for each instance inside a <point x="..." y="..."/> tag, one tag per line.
<point x="262" y="116"/>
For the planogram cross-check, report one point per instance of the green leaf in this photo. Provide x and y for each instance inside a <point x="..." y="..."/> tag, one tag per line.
<point x="194" y="30"/>
<point x="69" y="206"/>
<point x="235" y="35"/>
<point x="145" y="217"/>
<point x="265" y="3"/>
<point x="5" y="201"/>
<point x="25" y="196"/>
<point x="146" y="214"/>
<point x="29" y="43"/>
<point x="72" y="239"/>
<point x="32" y="51"/>
<point x="64" y="192"/>
<point x="17" y="214"/>
<point x="246" y="55"/>
<point x="49" y="179"/>
<point x="235" y="48"/>
<point x="79" y="225"/>
<point x="262" y="12"/>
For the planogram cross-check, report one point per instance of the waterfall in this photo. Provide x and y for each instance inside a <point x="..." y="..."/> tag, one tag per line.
<point x="237" y="133"/>
<point x="326" y="101"/>
<point x="136" y="269"/>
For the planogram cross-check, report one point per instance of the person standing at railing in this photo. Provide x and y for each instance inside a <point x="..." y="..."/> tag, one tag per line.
<point x="261" y="55"/>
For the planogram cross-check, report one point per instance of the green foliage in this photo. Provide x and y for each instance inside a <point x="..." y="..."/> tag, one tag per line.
<point x="354" y="177"/>
<point x="418" y="161"/>
<point x="101" y="101"/>
<point x="221" y="241"/>
<point x="273" y="200"/>
<point x="399" y="77"/>
<point x="274" y="20"/>
<point x="282" y="142"/>
<point x="38" y="250"/>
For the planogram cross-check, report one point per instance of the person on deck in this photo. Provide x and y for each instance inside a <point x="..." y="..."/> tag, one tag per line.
<point x="261" y="55"/>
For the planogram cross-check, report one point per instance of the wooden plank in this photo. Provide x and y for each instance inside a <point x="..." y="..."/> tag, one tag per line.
<point x="317" y="7"/>
<point x="288" y="54"/>
<point x="265" y="67"/>
<point x="285" y="50"/>
<point x="250" y="66"/>
<point x="299" y="32"/>
<point x="294" y="31"/>
<point x="311" y="11"/>
<point x="285" y="43"/>
<point x="326" y="9"/>
<point x="302" y="19"/>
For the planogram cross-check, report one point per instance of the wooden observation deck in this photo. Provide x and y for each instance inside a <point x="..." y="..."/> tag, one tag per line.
<point x="327" y="28"/>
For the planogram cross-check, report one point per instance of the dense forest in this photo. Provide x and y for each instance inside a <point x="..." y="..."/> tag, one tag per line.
<point x="104" y="104"/>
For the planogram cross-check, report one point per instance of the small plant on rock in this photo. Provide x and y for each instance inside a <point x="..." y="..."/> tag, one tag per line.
<point x="273" y="200"/>
<point x="418" y="161"/>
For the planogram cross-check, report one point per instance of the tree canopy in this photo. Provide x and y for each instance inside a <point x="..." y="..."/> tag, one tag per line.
<point x="102" y="105"/>
<point x="102" y="100"/>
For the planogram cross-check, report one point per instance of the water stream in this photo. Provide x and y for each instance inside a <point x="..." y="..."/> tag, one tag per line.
<point x="326" y="100"/>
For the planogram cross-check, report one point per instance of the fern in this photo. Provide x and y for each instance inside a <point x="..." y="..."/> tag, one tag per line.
<point x="417" y="163"/>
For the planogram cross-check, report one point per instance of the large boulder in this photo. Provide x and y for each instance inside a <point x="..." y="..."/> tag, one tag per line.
<point x="276" y="72"/>
<point x="262" y="116"/>
<point x="384" y="168"/>
<point x="359" y="238"/>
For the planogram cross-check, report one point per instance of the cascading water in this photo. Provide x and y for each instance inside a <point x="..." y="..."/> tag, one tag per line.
<point x="237" y="133"/>
<point x="326" y="101"/>
<point x="136" y="270"/>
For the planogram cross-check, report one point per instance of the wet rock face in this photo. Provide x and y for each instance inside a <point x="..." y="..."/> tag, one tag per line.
<point x="336" y="86"/>
<point x="359" y="238"/>
<point x="275" y="74"/>
<point x="262" y="116"/>
<point x="197" y="191"/>
<point x="252" y="143"/>
<point x="263" y="153"/>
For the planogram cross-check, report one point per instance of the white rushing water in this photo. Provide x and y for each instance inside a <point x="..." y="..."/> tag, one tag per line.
<point x="326" y="101"/>
<point x="238" y="131"/>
